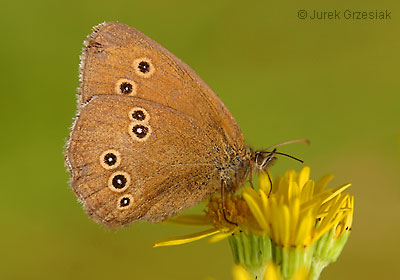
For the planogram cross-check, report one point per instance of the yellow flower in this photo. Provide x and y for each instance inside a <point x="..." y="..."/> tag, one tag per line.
<point x="296" y="213"/>
<point x="289" y="213"/>
<point x="291" y="230"/>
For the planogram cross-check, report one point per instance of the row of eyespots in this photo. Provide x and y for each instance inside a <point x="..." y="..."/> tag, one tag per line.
<point x="143" y="68"/>
<point x="139" y="129"/>
<point x="119" y="181"/>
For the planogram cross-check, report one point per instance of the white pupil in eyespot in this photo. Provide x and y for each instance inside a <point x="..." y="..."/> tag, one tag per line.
<point x="139" y="130"/>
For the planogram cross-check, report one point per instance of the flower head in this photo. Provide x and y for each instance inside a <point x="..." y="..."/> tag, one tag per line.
<point x="298" y="211"/>
<point x="296" y="223"/>
<point x="295" y="213"/>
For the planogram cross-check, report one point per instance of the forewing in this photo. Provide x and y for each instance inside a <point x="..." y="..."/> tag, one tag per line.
<point x="111" y="65"/>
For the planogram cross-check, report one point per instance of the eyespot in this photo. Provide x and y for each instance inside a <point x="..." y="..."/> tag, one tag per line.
<point x="143" y="67"/>
<point x="119" y="181"/>
<point x="125" y="87"/>
<point x="139" y="114"/>
<point x="125" y="201"/>
<point x="110" y="159"/>
<point x="139" y="131"/>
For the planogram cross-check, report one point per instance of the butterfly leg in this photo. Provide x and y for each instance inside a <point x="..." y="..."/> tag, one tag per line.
<point x="223" y="186"/>
<point x="270" y="183"/>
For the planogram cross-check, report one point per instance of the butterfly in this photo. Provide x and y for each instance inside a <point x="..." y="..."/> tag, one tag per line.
<point x="150" y="138"/>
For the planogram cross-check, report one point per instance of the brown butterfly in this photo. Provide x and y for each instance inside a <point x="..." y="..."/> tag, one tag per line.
<point x="150" y="138"/>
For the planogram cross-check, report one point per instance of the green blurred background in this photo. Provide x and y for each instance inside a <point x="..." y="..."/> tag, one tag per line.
<point x="335" y="82"/>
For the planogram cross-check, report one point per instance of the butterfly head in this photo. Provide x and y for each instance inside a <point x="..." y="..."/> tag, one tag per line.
<point x="264" y="159"/>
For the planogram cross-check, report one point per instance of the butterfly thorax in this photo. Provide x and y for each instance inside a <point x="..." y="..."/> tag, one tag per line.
<point x="235" y="172"/>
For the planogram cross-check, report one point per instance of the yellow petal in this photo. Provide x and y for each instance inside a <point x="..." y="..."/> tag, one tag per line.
<point x="290" y="174"/>
<point x="250" y="191"/>
<point x="304" y="229"/>
<point x="349" y="220"/>
<point x="337" y="191"/>
<point x="294" y="217"/>
<point x="274" y="208"/>
<point x="316" y="201"/>
<point x="264" y="200"/>
<point x="304" y="175"/>
<point x="301" y="274"/>
<point x="284" y="189"/>
<point x="284" y="224"/>
<point x="294" y="192"/>
<point x="266" y="211"/>
<point x="255" y="209"/>
<point x="264" y="183"/>
<point x="190" y="220"/>
<point x="239" y="273"/>
<point x="220" y="236"/>
<point x="272" y="272"/>
<point x="186" y="238"/>
<point x="307" y="191"/>
<point x="321" y="184"/>
<point x="331" y="219"/>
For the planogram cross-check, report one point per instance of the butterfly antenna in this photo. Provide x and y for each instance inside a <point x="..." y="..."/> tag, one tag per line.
<point x="283" y="154"/>
<point x="302" y="140"/>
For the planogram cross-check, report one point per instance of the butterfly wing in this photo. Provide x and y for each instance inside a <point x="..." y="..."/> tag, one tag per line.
<point x="121" y="177"/>
<point x="150" y="138"/>
<point x="118" y="59"/>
